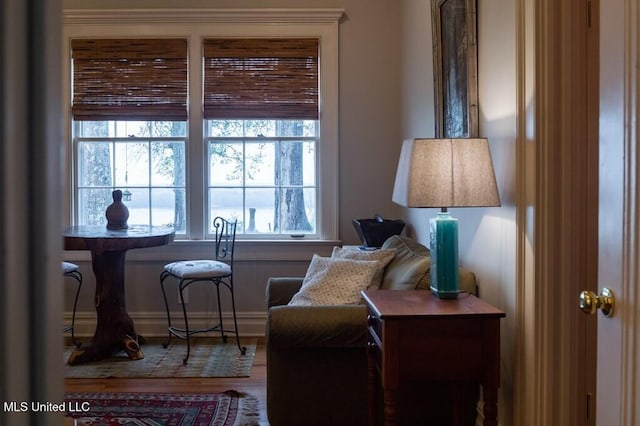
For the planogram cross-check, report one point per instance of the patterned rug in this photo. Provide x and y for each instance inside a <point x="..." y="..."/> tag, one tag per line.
<point x="210" y="357"/>
<point x="230" y="408"/>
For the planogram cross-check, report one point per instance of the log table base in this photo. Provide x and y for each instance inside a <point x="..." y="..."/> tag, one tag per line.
<point x="114" y="331"/>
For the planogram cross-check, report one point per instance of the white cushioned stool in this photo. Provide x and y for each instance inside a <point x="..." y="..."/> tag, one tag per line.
<point x="218" y="271"/>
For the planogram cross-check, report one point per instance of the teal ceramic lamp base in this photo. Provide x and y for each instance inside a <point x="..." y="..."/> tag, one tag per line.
<point x="445" y="282"/>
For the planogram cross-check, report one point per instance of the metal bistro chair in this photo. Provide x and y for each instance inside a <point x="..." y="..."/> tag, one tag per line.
<point x="218" y="272"/>
<point x="73" y="271"/>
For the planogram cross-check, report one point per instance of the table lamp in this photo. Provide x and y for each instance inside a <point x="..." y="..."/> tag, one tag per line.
<point x="445" y="173"/>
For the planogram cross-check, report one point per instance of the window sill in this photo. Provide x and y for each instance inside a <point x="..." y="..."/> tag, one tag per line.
<point x="246" y="250"/>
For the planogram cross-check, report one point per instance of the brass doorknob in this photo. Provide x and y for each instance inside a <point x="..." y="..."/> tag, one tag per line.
<point x="591" y="302"/>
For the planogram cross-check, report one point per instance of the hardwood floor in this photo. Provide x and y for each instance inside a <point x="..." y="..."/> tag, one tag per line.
<point x="256" y="384"/>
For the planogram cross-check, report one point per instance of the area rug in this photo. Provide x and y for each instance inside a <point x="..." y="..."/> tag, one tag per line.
<point x="229" y="408"/>
<point x="210" y="357"/>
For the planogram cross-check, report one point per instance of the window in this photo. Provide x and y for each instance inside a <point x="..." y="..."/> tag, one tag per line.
<point x="261" y="111"/>
<point x="130" y="110"/>
<point x="263" y="171"/>
<point x="229" y="120"/>
<point x="145" y="159"/>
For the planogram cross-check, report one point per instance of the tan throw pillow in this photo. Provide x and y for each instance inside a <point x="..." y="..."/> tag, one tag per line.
<point x="330" y="281"/>
<point x="410" y="267"/>
<point x="383" y="257"/>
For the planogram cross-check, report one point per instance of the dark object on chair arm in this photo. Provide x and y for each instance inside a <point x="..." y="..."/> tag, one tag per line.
<point x="374" y="232"/>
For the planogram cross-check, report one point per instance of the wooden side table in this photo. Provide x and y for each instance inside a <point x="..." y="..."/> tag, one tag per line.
<point x="414" y="336"/>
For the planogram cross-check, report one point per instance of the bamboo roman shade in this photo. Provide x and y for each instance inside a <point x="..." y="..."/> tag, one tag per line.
<point x="129" y="79"/>
<point x="261" y="78"/>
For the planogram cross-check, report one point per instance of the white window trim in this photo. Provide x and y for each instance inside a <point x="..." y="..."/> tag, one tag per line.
<point x="196" y="23"/>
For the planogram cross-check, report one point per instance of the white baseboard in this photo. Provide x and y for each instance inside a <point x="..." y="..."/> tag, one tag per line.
<point x="154" y="324"/>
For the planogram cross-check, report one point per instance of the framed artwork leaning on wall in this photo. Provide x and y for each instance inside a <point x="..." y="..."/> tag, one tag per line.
<point x="455" y="69"/>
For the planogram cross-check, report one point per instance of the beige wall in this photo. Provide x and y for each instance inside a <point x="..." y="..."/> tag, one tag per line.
<point x="487" y="236"/>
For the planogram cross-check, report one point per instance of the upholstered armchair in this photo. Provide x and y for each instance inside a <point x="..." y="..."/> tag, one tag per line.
<point x="316" y="355"/>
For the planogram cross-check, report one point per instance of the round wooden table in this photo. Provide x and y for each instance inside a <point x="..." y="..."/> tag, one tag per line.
<point x="114" y="329"/>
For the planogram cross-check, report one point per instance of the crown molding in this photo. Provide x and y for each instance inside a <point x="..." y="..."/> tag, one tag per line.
<point x="129" y="16"/>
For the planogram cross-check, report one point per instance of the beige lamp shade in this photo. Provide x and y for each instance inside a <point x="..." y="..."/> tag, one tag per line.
<point x="445" y="173"/>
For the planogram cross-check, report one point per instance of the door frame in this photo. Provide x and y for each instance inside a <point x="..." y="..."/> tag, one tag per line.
<point x="557" y="181"/>
<point x="31" y="299"/>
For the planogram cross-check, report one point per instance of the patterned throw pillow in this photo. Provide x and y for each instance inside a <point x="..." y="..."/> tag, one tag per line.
<point x="330" y="281"/>
<point x="383" y="256"/>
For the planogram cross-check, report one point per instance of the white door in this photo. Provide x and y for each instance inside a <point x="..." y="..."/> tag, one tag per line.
<point x="618" y="378"/>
